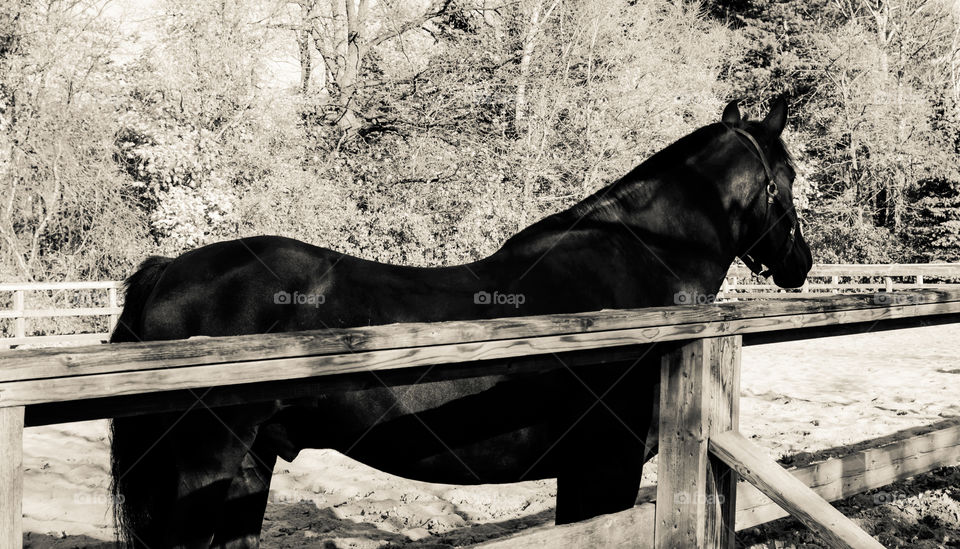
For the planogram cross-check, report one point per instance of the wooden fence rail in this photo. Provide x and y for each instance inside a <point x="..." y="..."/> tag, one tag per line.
<point x="20" y="313"/>
<point x="702" y="456"/>
<point x="844" y="278"/>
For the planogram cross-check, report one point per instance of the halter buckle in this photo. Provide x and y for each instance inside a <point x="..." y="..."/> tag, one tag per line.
<point x="772" y="192"/>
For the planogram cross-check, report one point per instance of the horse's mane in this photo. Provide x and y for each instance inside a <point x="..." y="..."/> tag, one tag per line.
<point x="602" y="204"/>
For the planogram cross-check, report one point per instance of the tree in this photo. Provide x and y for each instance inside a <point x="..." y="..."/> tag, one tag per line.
<point x="346" y="35"/>
<point x="63" y="211"/>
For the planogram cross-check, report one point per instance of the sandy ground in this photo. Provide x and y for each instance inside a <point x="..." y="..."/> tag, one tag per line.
<point x="798" y="398"/>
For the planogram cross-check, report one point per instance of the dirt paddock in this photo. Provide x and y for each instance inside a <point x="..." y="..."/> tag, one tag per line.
<point x="801" y="400"/>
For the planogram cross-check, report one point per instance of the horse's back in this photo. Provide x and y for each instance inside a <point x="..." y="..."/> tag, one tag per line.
<point x="233" y="287"/>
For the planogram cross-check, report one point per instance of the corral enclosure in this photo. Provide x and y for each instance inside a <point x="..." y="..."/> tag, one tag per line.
<point x="426" y="133"/>
<point x="79" y="371"/>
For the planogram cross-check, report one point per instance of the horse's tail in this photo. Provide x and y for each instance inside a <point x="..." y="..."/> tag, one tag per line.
<point x="138" y="288"/>
<point x="135" y="464"/>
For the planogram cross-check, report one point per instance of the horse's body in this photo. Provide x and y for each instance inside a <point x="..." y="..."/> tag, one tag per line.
<point x="672" y="225"/>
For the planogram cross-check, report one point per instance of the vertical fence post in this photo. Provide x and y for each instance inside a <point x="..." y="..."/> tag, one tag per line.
<point x="19" y="322"/>
<point x="699" y="397"/>
<point x="835" y="282"/>
<point x="11" y="477"/>
<point x="112" y="303"/>
<point x="888" y="283"/>
<point x="919" y="280"/>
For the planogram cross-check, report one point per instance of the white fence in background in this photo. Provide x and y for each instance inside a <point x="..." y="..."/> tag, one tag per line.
<point x="22" y="312"/>
<point x="739" y="284"/>
<point x="844" y="278"/>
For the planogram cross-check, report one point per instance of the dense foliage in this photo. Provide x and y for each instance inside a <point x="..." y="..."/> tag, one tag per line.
<point x="427" y="133"/>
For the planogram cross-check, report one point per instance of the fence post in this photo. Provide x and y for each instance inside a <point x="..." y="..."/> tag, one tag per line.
<point x="919" y="280"/>
<point x="112" y="303"/>
<point x="888" y="283"/>
<point x="19" y="322"/>
<point x="699" y="397"/>
<point x="11" y="477"/>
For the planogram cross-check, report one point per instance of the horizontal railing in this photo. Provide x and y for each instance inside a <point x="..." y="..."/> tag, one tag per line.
<point x="740" y="283"/>
<point x="41" y="386"/>
<point x="39" y="376"/>
<point x="20" y="312"/>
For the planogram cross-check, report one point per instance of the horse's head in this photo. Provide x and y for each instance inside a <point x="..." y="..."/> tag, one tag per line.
<point x="760" y="175"/>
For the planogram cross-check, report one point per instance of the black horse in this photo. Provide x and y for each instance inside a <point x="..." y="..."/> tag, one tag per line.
<point x="668" y="229"/>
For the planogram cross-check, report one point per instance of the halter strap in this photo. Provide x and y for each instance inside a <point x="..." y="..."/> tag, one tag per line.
<point x="772" y="193"/>
<point x="763" y="159"/>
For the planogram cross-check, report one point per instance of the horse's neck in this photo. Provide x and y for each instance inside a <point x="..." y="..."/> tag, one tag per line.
<point x="650" y="236"/>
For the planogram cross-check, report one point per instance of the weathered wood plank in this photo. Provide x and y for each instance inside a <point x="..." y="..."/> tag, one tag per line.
<point x="682" y="458"/>
<point x="789" y="492"/>
<point x="697" y="384"/>
<point x="630" y="529"/>
<point x="570" y="331"/>
<point x="832" y="479"/>
<point x="724" y="415"/>
<point x="141" y="403"/>
<point x="11" y="477"/>
<point x="122" y="374"/>
<point x="840" y="478"/>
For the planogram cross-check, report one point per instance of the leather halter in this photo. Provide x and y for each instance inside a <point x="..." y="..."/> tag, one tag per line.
<point x="772" y="193"/>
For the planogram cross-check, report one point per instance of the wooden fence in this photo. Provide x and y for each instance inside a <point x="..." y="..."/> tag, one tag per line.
<point x="740" y="283"/>
<point x="702" y="454"/>
<point x="21" y="313"/>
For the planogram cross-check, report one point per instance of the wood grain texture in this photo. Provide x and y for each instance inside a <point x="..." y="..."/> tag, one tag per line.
<point x="724" y="415"/>
<point x="11" y="477"/>
<point x="789" y="492"/>
<point x="699" y="387"/>
<point x="842" y="477"/>
<point x="682" y="458"/>
<point x="229" y="395"/>
<point x="476" y="339"/>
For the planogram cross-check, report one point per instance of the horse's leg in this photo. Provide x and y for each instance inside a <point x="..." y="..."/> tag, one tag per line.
<point x="603" y="480"/>
<point x="242" y="517"/>
<point x="653" y="430"/>
<point x="601" y="457"/>
<point x="210" y="451"/>
<point x="173" y="473"/>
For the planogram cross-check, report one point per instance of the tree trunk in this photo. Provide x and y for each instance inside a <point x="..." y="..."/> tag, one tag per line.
<point x="306" y="60"/>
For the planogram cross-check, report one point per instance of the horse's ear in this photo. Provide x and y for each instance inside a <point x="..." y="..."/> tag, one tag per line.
<point x="777" y="119"/>
<point x="731" y="114"/>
